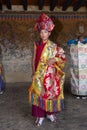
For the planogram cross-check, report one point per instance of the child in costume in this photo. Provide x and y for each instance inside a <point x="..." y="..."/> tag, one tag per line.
<point x="46" y="90"/>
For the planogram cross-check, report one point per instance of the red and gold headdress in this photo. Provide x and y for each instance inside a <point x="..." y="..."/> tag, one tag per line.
<point x="44" y="22"/>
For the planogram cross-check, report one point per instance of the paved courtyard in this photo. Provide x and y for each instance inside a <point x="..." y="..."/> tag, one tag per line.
<point x="15" y="112"/>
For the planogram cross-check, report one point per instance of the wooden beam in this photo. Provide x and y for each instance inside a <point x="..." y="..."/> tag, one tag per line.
<point x="66" y="4"/>
<point x="40" y="4"/>
<point x="78" y="4"/>
<point x="8" y="4"/>
<point x="53" y="3"/>
<point x="24" y="3"/>
<point x="0" y="6"/>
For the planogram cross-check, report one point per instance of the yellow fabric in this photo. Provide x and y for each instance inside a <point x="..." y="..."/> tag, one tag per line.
<point x="37" y="84"/>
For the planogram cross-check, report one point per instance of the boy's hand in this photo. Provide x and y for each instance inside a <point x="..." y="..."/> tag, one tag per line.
<point x="51" y="61"/>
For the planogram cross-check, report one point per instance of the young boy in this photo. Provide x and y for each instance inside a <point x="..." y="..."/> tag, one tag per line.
<point x="46" y="90"/>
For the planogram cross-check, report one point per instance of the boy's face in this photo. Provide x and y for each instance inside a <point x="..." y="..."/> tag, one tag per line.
<point x="44" y="35"/>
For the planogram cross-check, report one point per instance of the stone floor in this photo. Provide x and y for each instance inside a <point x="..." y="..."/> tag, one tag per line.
<point x="15" y="112"/>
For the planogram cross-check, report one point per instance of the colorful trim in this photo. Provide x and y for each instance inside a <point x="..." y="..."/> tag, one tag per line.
<point x="48" y="105"/>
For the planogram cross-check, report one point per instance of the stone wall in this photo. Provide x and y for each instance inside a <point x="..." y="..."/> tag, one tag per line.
<point x="17" y="36"/>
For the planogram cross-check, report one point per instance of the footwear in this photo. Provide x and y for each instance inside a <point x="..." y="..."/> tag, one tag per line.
<point x="84" y="97"/>
<point x="39" y="121"/>
<point x="77" y="97"/>
<point x="52" y="118"/>
<point x="1" y="92"/>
